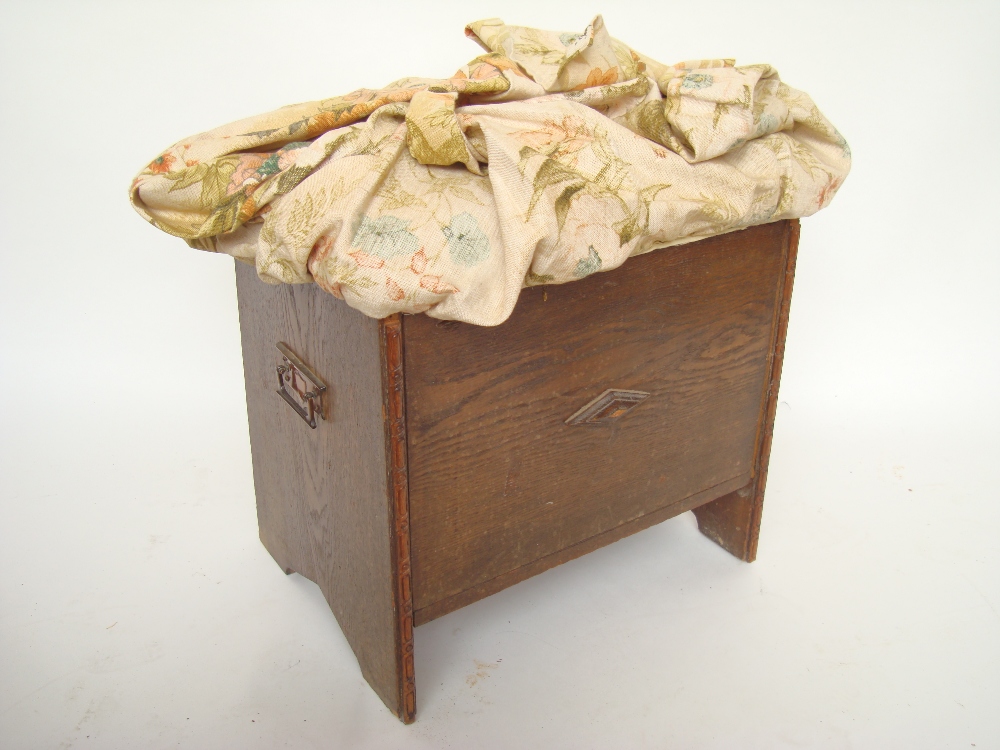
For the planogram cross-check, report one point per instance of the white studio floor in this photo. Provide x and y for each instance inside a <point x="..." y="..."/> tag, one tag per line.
<point x="141" y="612"/>
<point x="138" y="608"/>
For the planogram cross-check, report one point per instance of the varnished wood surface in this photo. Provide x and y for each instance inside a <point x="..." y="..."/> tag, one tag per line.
<point x="733" y="521"/>
<point x="446" y="471"/>
<point x="498" y="482"/>
<point x="323" y="495"/>
<point x="492" y="586"/>
<point x="394" y="413"/>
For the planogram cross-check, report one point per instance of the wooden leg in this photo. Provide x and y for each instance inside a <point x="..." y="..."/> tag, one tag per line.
<point x="733" y="521"/>
<point x="332" y="500"/>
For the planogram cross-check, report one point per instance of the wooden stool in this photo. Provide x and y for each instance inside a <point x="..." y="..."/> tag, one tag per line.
<point x="410" y="466"/>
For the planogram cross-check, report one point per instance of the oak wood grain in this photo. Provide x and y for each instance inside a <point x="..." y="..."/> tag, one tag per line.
<point x="475" y="593"/>
<point x="733" y="521"/>
<point x="499" y="482"/>
<point x="325" y="497"/>
<point x="446" y="470"/>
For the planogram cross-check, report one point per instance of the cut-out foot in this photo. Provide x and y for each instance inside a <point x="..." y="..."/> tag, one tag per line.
<point x="733" y="522"/>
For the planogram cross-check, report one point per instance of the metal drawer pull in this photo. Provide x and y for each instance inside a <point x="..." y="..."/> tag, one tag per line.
<point x="306" y="395"/>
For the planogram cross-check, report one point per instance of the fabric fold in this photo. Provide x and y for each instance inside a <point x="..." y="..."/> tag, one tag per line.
<point x="433" y="133"/>
<point x="550" y="157"/>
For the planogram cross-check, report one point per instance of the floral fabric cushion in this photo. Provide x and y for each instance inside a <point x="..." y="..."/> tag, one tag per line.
<point x="551" y="157"/>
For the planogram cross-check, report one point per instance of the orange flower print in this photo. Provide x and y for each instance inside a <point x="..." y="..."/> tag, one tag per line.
<point x="394" y="290"/>
<point x="161" y="164"/>
<point x="489" y="66"/>
<point x="418" y="263"/>
<point x="483" y="71"/>
<point x="434" y="284"/>
<point x="248" y="209"/>
<point x="320" y="249"/>
<point x="333" y="287"/>
<point x="246" y="171"/>
<point x="365" y="260"/>
<point x="639" y="64"/>
<point x="262" y="212"/>
<point x="559" y="139"/>
<point x="321" y="123"/>
<point x="342" y="110"/>
<point x="501" y="62"/>
<point x="598" y="77"/>
<point x="828" y="191"/>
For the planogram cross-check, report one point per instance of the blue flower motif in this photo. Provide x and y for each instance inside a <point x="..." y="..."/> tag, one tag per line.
<point x="568" y="39"/>
<point x="385" y="237"/>
<point x="586" y="266"/>
<point x="697" y="81"/>
<point x="767" y="123"/>
<point x="467" y="244"/>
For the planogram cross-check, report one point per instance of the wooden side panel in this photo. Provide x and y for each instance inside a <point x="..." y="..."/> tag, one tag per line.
<point x="326" y="497"/>
<point x="733" y="521"/>
<point x="501" y="487"/>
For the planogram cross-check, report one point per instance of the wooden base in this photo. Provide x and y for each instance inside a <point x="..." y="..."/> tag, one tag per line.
<point x="450" y="461"/>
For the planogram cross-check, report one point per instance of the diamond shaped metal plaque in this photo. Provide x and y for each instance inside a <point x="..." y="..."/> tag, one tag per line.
<point x="609" y="406"/>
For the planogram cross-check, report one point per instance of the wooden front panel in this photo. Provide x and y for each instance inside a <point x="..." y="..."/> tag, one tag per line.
<point x="501" y="487"/>
<point x="324" y="503"/>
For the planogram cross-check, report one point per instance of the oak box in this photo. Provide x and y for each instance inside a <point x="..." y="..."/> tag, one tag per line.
<point x="410" y="466"/>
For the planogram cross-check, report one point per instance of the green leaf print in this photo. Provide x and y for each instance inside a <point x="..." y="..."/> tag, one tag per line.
<point x="467" y="243"/>
<point x="385" y="237"/>
<point x="590" y="264"/>
<point x="564" y="201"/>
<point x="552" y="173"/>
<point x="536" y="279"/>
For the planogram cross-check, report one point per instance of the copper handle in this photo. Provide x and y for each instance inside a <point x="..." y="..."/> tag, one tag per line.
<point x="306" y="394"/>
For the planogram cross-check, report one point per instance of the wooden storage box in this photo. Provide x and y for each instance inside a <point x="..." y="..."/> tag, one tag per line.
<point x="449" y="461"/>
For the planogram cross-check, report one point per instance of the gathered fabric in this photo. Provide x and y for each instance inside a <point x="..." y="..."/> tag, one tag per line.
<point x="551" y="157"/>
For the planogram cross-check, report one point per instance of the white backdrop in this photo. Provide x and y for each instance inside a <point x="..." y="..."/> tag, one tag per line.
<point x="138" y="609"/>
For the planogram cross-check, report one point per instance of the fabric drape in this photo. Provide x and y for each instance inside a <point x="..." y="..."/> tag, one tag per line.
<point x="549" y="158"/>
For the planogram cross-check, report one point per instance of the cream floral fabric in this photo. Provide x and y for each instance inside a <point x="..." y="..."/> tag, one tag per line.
<point x="551" y="157"/>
